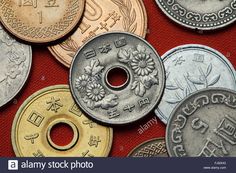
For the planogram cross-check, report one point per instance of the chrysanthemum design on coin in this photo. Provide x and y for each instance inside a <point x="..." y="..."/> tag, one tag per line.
<point x="131" y="100"/>
<point x="203" y="125"/>
<point x="200" y="14"/>
<point x="40" y="21"/>
<point x="151" y="148"/>
<point x="190" y="68"/>
<point x="47" y="108"/>
<point x="100" y="17"/>
<point x="15" y="60"/>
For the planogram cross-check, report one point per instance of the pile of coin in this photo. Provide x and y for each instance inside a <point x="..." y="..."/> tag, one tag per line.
<point x="191" y="88"/>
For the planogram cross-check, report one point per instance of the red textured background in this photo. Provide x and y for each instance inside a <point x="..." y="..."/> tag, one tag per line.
<point x="163" y="35"/>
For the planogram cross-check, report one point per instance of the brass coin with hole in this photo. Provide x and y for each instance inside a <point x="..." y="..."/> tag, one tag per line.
<point x="47" y="108"/>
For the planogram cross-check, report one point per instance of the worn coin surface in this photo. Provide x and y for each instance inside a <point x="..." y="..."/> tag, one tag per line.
<point x="127" y="54"/>
<point x="40" y="21"/>
<point x="100" y="17"/>
<point x="151" y="148"/>
<point x="203" y="125"/>
<point x="190" y="68"/>
<point x="200" y="14"/>
<point x="31" y="129"/>
<point x="15" y="60"/>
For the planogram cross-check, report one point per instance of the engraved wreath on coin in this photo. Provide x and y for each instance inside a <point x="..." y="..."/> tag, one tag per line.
<point x="129" y="24"/>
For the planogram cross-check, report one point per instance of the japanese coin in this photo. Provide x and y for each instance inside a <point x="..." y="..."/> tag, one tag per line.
<point x="203" y="125"/>
<point x="200" y="14"/>
<point x="15" y="60"/>
<point x="31" y="130"/>
<point x="125" y="53"/>
<point x="151" y="148"/>
<point x="40" y="21"/>
<point x="100" y="17"/>
<point x="190" y="68"/>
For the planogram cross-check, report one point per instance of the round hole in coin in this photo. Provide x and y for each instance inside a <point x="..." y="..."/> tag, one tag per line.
<point x="117" y="77"/>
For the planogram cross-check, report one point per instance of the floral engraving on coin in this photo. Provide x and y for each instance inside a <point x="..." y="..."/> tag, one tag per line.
<point x="128" y="13"/>
<point x="205" y="79"/>
<point x="143" y="67"/>
<point x="91" y="88"/>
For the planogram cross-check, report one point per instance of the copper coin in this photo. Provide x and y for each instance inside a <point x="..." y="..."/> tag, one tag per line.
<point x="103" y="16"/>
<point x="151" y="148"/>
<point x="40" y="21"/>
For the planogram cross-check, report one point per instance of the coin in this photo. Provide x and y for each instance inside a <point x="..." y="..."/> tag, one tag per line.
<point x="40" y="21"/>
<point x="124" y="53"/>
<point x="15" y="63"/>
<point x="44" y="110"/>
<point x="190" y="68"/>
<point x="100" y="17"/>
<point x="151" y="148"/>
<point x="200" y="14"/>
<point x="203" y="125"/>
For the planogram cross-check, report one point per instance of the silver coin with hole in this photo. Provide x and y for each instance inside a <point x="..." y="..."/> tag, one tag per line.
<point x="15" y="60"/>
<point x="204" y="125"/>
<point x="190" y="68"/>
<point x="131" y="100"/>
<point x="200" y="14"/>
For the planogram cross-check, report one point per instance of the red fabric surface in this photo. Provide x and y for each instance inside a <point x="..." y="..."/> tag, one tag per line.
<point x="163" y="35"/>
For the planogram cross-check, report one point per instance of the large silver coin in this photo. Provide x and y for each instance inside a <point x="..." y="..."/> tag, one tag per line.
<point x="15" y="60"/>
<point x="151" y="148"/>
<point x="204" y="125"/>
<point x="122" y="52"/>
<point x="200" y="14"/>
<point x="190" y="68"/>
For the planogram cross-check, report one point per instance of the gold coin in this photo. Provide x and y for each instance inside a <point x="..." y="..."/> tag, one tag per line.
<point x="40" y="21"/>
<point x="41" y="112"/>
<point x="99" y="17"/>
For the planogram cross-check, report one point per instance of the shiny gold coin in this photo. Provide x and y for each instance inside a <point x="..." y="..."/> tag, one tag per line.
<point x="99" y="17"/>
<point x="40" y="21"/>
<point x="152" y="148"/>
<point x="41" y="112"/>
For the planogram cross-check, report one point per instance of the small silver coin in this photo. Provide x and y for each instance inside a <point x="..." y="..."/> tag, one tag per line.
<point x="204" y="125"/>
<point x="200" y="14"/>
<point x="190" y="68"/>
<point x="151" y="148"/>
<point x="15" y="60"/>
<point x="116" y="105"/>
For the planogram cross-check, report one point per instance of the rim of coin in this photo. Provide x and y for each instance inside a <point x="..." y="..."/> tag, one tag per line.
<point x="169" y="54"/>
<point x="141" y="145"/>
<point x="167" y="7"/>
<point x="27" y="74"/>
<point x="96" y="118"/>
<point x="54" y="121"/>
<point x="67" y="63"/>
<point x="21" y="36"/>
<point x="179" y="105"/>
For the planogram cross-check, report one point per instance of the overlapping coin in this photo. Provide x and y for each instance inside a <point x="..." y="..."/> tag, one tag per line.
<point x="15" y="60"/>
<point x="190" y="68"/>
<point x="151" y="148"/>
<point x="128" y="102"/>
<point x="40" y="21"/>
<point x="41" y="112"/>
<point x="203" y="125"/>
<point x="100" y="17"/>
<point x="200" y="14"/>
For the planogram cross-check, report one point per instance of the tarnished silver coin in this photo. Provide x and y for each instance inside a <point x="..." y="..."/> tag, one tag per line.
<point x="125" y="53"/>
<point x="151" y="148"/>
<point x="204" y="125"/>
<point x="200" y="14"/>
<point x="15" y="60"/>
<point x="190" y="68"/>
